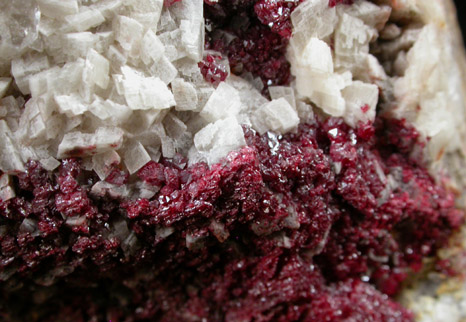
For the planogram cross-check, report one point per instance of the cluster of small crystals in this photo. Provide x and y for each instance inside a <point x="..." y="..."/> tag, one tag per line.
<point x="254" y="35"/>
<point x="321" y="224"/>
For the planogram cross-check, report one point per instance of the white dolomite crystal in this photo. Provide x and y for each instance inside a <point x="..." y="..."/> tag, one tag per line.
<point x="85" y="19"/>
<point x="276" y="116"/>
<point x="96" y="70"/>
<point x="82" y="144"/>
<point x="49" y="163"/>
<point x="135" y="157"/>
<point x="128" y="33"/>
<point x="102" y="163"/>
<point x="223" y="103"/>
<point x="10" y="160"/>
<point x="144" y="92"/>
<point x="361" y="100"/>
<point x="6" y="190"/>
<point x="217" y="139"/>
<point x="185" y="95"/>
<point x="58" y="9"/>
<point x="4" y="84"/>
<point x="152" y="49"/>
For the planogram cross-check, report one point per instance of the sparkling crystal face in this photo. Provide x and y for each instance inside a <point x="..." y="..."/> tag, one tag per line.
<point x="323" y="223"/>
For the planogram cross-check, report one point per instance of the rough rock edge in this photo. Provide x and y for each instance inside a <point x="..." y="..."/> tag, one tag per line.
<point x="437" y="296"/>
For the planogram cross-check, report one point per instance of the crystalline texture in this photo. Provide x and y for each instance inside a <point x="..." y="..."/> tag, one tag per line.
<point x="19" y="22"/>
<point x="145" y="92"/>
<point x="58" y="8"/>
<point x="82" y="144"/>
<point x="277" y="116"/>
<point x="219" y="138"/>
<point x="224" y="102"/>
<point x="185" y="95"/>
<point x="85" y="19"/>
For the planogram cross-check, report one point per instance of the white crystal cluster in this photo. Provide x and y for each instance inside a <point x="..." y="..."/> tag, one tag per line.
<point x="329" y="56"/>
<point x="119" y="80"/>
<point x="429" y="93"/>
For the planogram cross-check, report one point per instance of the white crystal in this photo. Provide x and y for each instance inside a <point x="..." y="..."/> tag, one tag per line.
<point x="371" y="14"/>
<point x="352" y="36"/>
<point x="361" y="101"/>
<point x="276" y="115"/>
<point x="102" y="188"/>
<point x="152" y="49"/>
<point x="10" y="160"/>
<point x="104" y="139"/>
<point x="96" y="70"/>
<point x="22" y="68"/>
<point x="85" y="19"/>
<point x="217" y="139"/>
<point x="174" y="127"/>
<point x="164" y="70"/>
<point x="102" y="163"/>
<point x="4" y="85"/>
<point x="31" y="125"/>
<point x="50" y="163"/>
<point x="58" y="8"/>
<point x="185" y="95"/>
<point x="6" y="190"/>
<point x="223" y="103"/>
<point x="110" y="111"/>
<point x="19" y="21"/>
<point x="71" y="104"/>
<point x="135" y="157"/>
<point x="190" y="15"/>
<point x="128" y="32"/>
<point x="313" y="18"/>
<point x="145" y="92"/>
<point x="316" y="57"/>
<point x="286" y="92"/>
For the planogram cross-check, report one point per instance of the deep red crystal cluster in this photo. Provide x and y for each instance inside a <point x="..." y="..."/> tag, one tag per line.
<point x="320" y="225"/>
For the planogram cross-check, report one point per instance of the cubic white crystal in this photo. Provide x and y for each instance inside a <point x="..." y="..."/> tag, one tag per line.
<point x="82" y="144"/>
<point x="102" y="163"/>
<point x="286" y="92"/>
<point x="128" y="32"/>
<point x="276" y="115"/>
<point x="96" y="70"/>
<point x="174" y="127"/>
<point x="50" y="163"/>
<point x="31" y="124"/>
<point x="71" y="104"/>
<point x="152" y="49"/>
<point x="135" y="157"/>
<point x="316" y="57"/>
<point x="217" y="139"/>
<point x="326" y="93"/>
<point x="110" y="111"/>
<point x="224" y="102"/>
<point x="164" y="70"/>
<point x="313" y="18"/>
<point x="58" y="8"/>
<point x="6" y="190"/>
<point x="4" y="85"/>
<point x="352" y="36"/>
<point x="250" y="95"/>
<point x="144" y="92"/>
<point x="10" y="160"/>
<point x="85" y="19"/>
<point x="30" y="64"/>
<point x="361" y="101"/>
<point x="371" y="14"/>
<point x="185" y="95"/>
